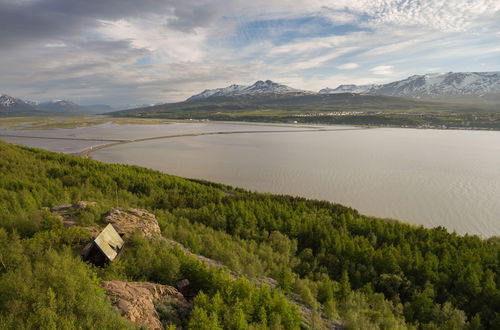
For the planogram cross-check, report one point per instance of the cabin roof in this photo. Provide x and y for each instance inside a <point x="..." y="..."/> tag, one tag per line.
<point x="109" y="242"/>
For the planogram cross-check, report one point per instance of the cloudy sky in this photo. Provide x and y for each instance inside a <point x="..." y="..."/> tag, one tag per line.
<point x="130" y="52"/>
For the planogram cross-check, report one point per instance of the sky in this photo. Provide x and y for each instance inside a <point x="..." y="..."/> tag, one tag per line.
<point x="127" y="52"/>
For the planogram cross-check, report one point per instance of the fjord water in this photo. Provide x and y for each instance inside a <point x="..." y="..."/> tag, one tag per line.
<point x="444" y="178"/>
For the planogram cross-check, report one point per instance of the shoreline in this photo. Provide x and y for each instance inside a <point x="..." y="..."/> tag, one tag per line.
<point x="46" y="123"/>
<point x="87" y="152"/>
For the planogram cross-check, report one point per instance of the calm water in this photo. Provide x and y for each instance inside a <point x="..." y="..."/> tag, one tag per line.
<point x="429" y="177"/>
<point x="119" y="132"/>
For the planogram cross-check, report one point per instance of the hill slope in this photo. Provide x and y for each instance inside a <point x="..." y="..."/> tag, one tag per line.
<point x="368" y="272"/>
<point x="281" y="103"/>
<point x="338" y="108"/>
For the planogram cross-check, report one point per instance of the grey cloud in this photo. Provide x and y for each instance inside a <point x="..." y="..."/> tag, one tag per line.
<point x="187" y="18"/>
<point x="112" y="47"/>
<point x="83" y="66"/>
<point x="49" y="19"/>
<point x="97" y="70"/>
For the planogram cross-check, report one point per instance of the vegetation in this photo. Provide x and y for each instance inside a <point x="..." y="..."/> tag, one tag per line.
<point x="69" y="121"/>
<point x="349" y="109"/>
<point x="368" y="273"/>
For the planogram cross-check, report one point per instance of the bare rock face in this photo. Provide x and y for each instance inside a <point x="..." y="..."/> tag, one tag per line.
<point x="139" y="302"/>
<point x="67" y="208"/>
<point x="68" y="213"/>
<point x="127" y="221"/>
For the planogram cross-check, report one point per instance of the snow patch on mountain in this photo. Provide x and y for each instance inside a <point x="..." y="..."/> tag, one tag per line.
<point x="258" y="88"/>
<point x="361" y="89"/>
<point x="9" y="103"/>
<point x="431" y="85"/>
<point x="230" y="90"/>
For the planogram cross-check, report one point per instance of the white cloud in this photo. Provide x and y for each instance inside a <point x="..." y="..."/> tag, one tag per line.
<point x="397" y="45"/>
<point x="186" y="43"/>
<point x="382" y="70"/>
<point x="348" y="66"/>
<point x="313" y="62"/>
<point x="56" y="44"/>
<point x="313" y="44"/>
<point x="444" y="15"/>
<point x="167" y="44"/>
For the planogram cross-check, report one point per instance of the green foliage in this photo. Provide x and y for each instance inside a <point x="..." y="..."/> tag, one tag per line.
<point x="345" y="265"/>
<point x="220" y="302"/>
<point x="50" y="289"/>
<point x="376" y="110"/>
<point x="371" y="312"/>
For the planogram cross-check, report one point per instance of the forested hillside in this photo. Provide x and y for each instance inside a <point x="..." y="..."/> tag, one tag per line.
<point x="358" y="271"/>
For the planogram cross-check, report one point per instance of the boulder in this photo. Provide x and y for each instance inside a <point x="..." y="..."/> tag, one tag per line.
<point x="139" y="302"/>
<point x="127" y="221"/>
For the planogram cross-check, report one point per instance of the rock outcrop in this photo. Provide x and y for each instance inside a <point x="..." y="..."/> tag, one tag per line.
<point x="68" y="214"/>
<point x="127" y="221"/>
<point x="139" y="302"/>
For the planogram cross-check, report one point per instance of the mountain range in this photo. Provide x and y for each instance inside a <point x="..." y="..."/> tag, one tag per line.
<point x="258" y="88"/>
<point x="12" y="105"/>
<point x="428" y="86"/>
<point x="460" y="88"/>
<point x="463" y="92"/>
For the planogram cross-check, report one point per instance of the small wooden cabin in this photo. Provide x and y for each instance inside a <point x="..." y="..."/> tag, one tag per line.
<point x="104" y="248"/>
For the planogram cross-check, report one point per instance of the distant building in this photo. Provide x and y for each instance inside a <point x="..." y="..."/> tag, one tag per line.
<point x="104" y="248"/>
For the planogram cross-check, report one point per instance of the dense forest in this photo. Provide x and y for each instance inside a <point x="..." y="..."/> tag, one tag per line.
<point x="359" y="271"/>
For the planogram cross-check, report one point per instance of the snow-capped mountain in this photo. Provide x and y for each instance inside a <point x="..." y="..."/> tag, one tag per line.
<point x="9" y="103"/>
<point x="443" y="84"/>
<point x="226" y="91"/>
<point x="431" y="85"/>
<point x="435" y="85"/>
<point x="361" y="89"/>
<point x="258" y="88"/>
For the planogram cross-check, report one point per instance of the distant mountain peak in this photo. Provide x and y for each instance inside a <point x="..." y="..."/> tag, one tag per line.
<point x="9" y="103"/>
<point x="260" y="87"/>
<point x="6" y="100"/>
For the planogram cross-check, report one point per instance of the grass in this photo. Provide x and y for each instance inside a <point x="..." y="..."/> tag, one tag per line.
<point x="41" y="123"/>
